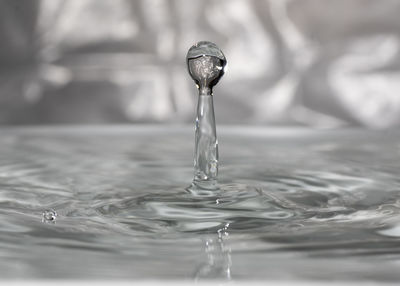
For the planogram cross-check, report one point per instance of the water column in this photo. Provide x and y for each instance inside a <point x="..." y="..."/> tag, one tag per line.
<point x="206" y="64"/>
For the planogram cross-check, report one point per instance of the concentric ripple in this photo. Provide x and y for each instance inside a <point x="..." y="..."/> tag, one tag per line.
<point x="292" y="203"/>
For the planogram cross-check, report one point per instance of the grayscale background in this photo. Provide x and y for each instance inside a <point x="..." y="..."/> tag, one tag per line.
<point x="324" y="64"/>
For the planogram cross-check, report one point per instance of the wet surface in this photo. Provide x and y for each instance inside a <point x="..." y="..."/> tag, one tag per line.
<point x="112" y="202"/>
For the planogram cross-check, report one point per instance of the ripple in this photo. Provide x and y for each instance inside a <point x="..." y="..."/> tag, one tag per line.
<point x="313" y="198"/>
<point x="284" y="206"/>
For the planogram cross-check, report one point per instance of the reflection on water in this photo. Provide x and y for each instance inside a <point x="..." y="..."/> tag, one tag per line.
<point x="218" y="265"/>
<point x="292" y="204"/>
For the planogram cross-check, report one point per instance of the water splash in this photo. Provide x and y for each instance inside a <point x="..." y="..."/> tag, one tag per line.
<point x="206" y="64"/>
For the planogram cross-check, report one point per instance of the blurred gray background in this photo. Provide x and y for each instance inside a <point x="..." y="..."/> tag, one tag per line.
<point x="324" y="64"/>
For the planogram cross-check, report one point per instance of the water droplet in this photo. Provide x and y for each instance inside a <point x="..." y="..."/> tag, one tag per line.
<point x="206" y="65"/>
<point x="49" y="216"/>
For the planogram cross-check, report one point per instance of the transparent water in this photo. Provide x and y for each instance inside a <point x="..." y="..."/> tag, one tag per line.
<point x="206" y="145"/>
<point x="206" y="65"/>
<point x="293" y="204"/>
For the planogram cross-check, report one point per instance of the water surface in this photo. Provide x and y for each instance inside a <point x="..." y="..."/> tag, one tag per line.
<point x="293" y="204"/>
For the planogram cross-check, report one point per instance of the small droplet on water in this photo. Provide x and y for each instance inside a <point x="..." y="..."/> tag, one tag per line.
<point x="49" y="216"/>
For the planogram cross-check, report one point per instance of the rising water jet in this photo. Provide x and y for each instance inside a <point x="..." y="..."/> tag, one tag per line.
<point x="206" y="65"/>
